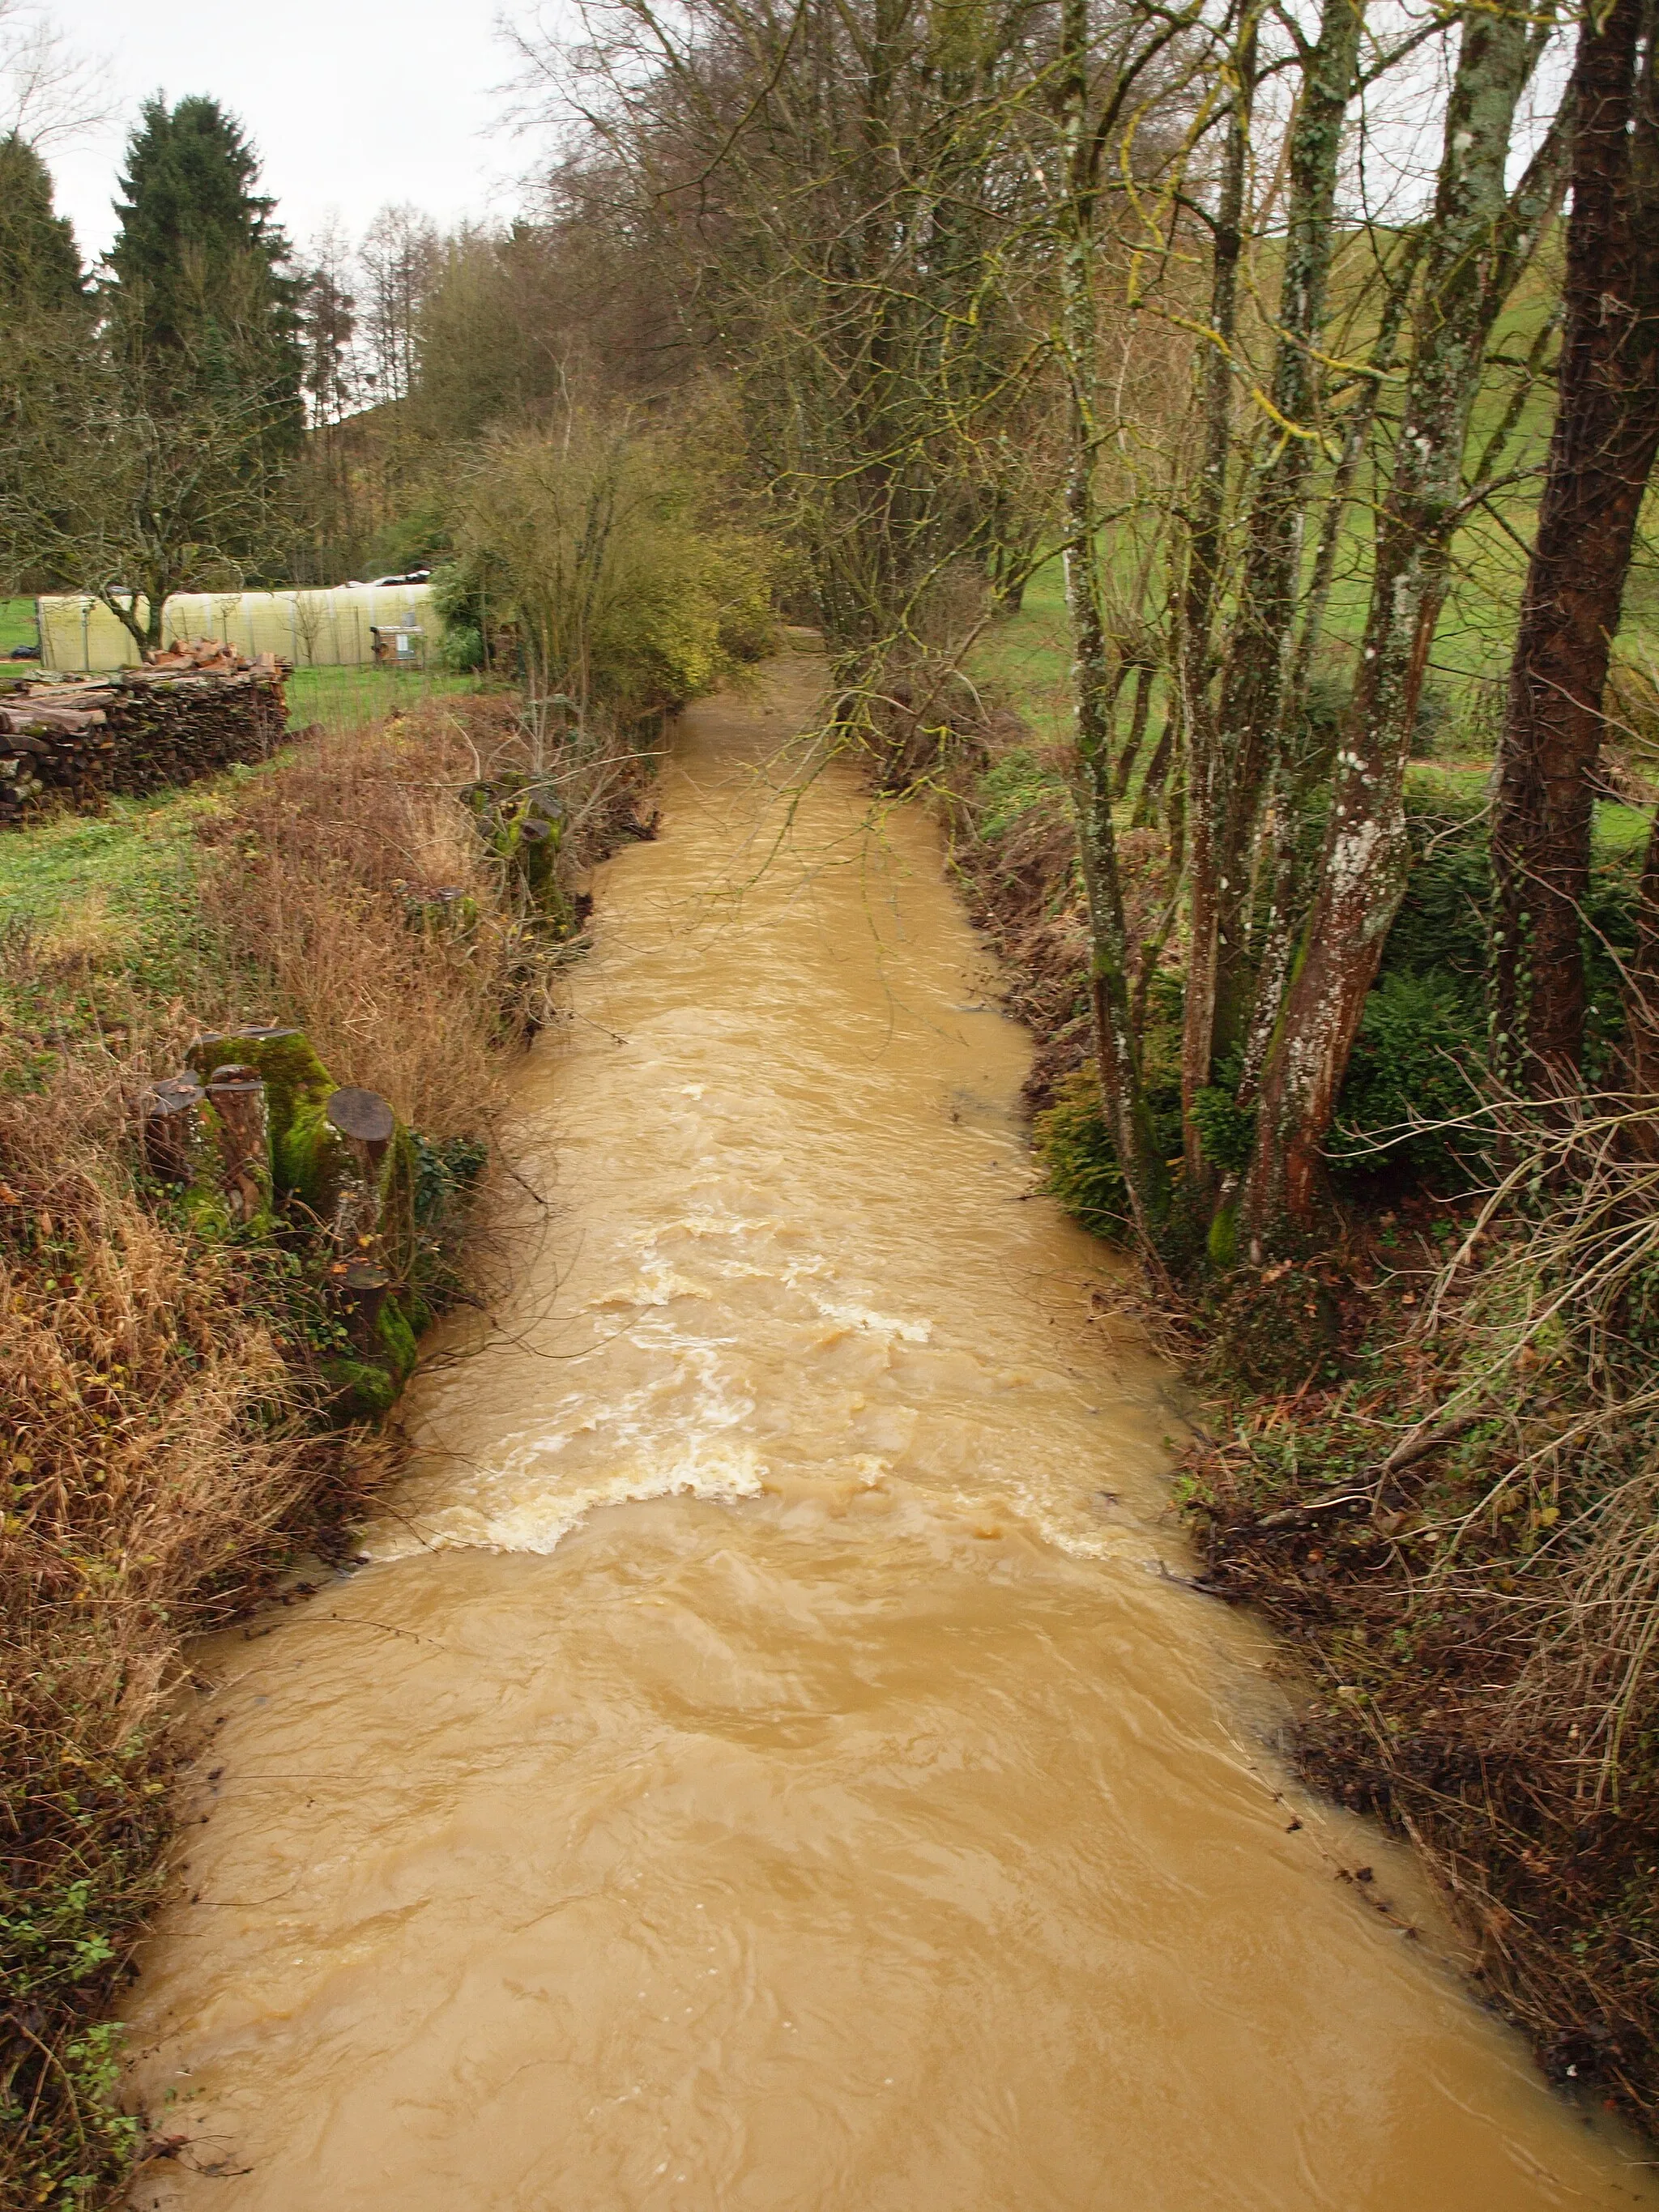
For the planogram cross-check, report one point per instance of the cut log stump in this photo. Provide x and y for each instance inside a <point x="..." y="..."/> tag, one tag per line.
<point x="172" y="1130"/>
<point x="241" y="1127"/>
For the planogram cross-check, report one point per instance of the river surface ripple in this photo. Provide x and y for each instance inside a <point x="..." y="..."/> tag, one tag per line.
<point x="762" y="1768"/>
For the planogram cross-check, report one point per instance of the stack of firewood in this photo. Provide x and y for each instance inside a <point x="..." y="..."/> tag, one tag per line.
<point x="196" y="710"/>
<point x="211" y="656"/>
<point x="50" y="752"/>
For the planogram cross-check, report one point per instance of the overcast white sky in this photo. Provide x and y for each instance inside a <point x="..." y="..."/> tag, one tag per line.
<point x="351" y="103"/>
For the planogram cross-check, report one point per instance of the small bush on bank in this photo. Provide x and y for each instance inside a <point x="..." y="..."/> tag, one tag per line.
<point x="597" y="539"/>
<point x="1079" y="1161"/>
<point x="1414" y="1083"/>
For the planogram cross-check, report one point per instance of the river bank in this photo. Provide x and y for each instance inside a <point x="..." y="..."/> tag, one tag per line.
<point x="762" y="1760"/>
<point x="1428" y="1452"/>
<point x="172" y="1434"/>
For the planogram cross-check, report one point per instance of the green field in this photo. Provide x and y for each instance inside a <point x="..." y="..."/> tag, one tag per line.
<point x="1029" y="656"/>
<point x="130" y="859"/>
<point x="16" y="624"/>
<point x="114" y="895"/>
<point x="346" y="698"/>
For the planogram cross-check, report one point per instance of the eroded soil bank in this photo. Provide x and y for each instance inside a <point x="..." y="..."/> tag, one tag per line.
<point x="762" y="1765"/>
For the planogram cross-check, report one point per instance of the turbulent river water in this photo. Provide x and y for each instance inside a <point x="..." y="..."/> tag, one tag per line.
<point x="763" y="1767"/>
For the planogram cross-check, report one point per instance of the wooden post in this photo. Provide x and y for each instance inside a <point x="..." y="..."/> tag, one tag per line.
<point x="366" y="1125"/>
<point x="362" y="1290"/>
<point x="242" y="1127"/>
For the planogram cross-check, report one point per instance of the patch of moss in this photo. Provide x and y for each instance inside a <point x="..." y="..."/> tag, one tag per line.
<point x="360" y="1390"/>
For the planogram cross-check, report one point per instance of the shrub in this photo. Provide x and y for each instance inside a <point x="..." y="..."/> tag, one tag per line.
<point x="1079" y="1159"/>
<point x="1441" y="930"/>
<point x="593" y="538"/>
<point x="1421" y="1042"/>
<point x="458" y="600"/>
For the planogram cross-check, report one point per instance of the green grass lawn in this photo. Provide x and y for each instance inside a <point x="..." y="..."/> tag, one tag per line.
<point x="132" y="862"/>
<point x="1027" y="657"/>
<point x="346" y="698"/>
<point x="16" y="624"/>
<point x="114" y="894"/>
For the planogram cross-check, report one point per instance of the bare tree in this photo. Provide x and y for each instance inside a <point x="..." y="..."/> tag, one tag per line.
<point x="50" y="92"/>
<point x="399" y="259"/>
<point x="328" y="326"/>
<point x="129" y="488"/>
<point x="831" y="196"/>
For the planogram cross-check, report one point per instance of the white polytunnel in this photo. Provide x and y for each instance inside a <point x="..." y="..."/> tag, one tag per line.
<point x="341" y="627"/>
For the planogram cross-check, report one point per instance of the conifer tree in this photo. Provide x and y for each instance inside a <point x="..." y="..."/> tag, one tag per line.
<point x="149" y="450"/>
<point x="40" y="264"/>
<point x="202" y="297"/>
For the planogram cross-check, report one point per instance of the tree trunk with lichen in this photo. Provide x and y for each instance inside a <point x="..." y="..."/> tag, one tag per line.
<point x="1601" y="456"/>
<point x="1094" y="689"/>
<point x="1228" y="790"/>
<point x="1201" y="591"/>
<point x="1480" y="239"/>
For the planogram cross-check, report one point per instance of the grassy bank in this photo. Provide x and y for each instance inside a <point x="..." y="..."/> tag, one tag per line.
<point x="1431" y="1455"/>
<point x="171" y="1431"/>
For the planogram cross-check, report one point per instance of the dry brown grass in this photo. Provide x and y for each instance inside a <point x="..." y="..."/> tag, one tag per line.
<point x="319" y="865"/>
<point x="316" y="870"/>
<point x="1462" y="1535"/>
<point x="155" y="1463"/>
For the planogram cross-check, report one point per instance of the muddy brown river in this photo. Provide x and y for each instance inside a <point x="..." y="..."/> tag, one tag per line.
<point x="764" y="1767"/>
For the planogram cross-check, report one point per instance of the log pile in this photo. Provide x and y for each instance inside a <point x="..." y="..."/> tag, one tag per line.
<point x="50" y="753"/>
<point x="78" y="740"/>
<point x="209" y="656"/>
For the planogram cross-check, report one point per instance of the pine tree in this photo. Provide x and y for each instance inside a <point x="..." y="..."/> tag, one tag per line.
<point x="40" y="264"/>
<point x="202" y="297"/>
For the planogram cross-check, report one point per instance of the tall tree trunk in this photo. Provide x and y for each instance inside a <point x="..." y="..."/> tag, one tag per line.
<point x="1293" y="776"/>
<point x="1252" y="683"/>
<point x="1480" y="242"/>
<point x="1601" y="454"/>
<point x="1094" y="688"/>
<point x="1192" y="705"/>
